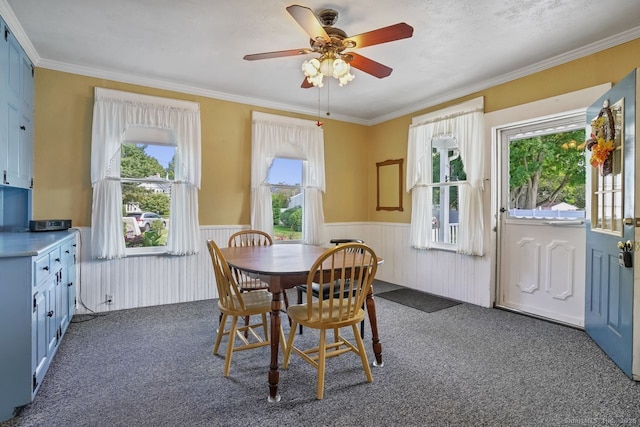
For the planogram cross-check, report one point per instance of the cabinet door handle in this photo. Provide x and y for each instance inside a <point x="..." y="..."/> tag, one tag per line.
<point x="57" y="259"/>
<point x="45" y="268"/>
<point x="23" y="127"/>
<point x="50" y="314"/>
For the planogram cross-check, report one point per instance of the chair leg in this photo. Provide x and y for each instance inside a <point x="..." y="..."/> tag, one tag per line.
<point x="286" y="303"/>
<point x="246" y="323"/>
<point x="283" y="340"/>
<point x="363" y="354"/>
<point x="300" y="302"/>
<point x="230" y="345"/>
<point x="322" y="353"/>
<point x="287" y="351"/>
<point x="223" y="321"/>
<point x="265" y="326"/>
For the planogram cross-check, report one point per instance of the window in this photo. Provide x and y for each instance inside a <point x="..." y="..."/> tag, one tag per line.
<point x="447" y="176"/>
<point x="277" y="137"/>
<point x="285" y="179"/>
<point x="607" y="180"/>
<point x="148" y="121"/>
<point x="547" y="169"/>
<point x="147" y="172"/>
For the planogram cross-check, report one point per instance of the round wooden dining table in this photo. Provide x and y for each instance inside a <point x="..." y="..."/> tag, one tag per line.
<point x="283" y="266"/>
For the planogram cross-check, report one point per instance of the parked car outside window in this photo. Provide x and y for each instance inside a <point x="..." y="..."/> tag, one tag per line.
<point x="145" y="219"/>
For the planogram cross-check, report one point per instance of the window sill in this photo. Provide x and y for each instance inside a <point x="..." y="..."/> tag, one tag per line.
<point x="443" y="247"/>
<point x="148" y="250"/>
<point x="285" y="242"/>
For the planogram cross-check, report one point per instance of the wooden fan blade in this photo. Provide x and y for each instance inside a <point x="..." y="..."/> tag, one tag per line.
<point x="277" y="54"/>
<point x="305" y="84"/>
<point x="308" y="21"/>
<point x="382" y="35"/>
<point x="367" y="65"/>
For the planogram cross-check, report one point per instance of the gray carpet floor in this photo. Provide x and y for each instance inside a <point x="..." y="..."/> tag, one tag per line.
<point x="460" y="366"/>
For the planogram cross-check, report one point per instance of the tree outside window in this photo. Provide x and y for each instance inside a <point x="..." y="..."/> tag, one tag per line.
<point x="285" y="179"/>
<point x="547" y="173"/>
<point x="146" y="171"/>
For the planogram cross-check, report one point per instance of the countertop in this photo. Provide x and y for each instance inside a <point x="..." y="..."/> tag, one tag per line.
<point x="28" y="243"/>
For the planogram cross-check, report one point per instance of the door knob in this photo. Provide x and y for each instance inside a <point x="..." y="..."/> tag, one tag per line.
<point x="625" y="246"/>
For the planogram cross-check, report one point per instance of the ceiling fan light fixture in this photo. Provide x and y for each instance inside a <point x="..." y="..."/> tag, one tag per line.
<point x="311" y="68"/>
<point x="345" y="79"/>
<point x="316" y="80"/>
<point x="340" y="68"/>
<point x="327" y="65"/>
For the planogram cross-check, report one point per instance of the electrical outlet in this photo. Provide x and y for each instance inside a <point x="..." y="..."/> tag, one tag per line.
<point x="108" y="299"/>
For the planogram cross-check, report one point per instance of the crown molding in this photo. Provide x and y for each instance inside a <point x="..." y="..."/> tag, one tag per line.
<point x="587" y="50"/>
<point x="182" y="88"/>
<point x="12" y="21"/>
<point x="7" y="13"/>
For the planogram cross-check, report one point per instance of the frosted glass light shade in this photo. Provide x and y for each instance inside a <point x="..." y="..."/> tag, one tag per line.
<point x="327" y="65"/>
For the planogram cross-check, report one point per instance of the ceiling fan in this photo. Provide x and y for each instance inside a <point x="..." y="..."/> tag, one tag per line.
<point x="331" y="44"/>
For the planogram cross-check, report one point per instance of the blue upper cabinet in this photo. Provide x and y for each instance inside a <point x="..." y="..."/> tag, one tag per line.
<point x="16" y="112"/>
<point x="28" y="74"/>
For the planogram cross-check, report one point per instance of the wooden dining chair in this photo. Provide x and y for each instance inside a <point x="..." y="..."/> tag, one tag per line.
<point x="349" y="268"/>
<point x="315" y="288"/>
<point x="245" y="282"/>
<point x="234" y="304"/>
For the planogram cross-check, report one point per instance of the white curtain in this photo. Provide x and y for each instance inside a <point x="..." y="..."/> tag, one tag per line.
<point x="275" y="136"/>
<point x="418" y="176"/>
<point x="470" y="131"/>
<point x="113" y="113"/>
<point x="466" y="124"/>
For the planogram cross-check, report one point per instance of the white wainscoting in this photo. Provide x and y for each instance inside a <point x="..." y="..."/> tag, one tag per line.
<point x="140" y="281"/>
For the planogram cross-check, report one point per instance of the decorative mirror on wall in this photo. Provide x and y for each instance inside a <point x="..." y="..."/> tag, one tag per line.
<point x="390" y="185"/>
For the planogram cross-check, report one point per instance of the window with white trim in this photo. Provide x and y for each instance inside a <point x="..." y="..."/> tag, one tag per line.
<point x="146" y="175"/>
<point x="287" y="198"/>
<point x="447" y="176"/>
<point x="123" y="118"/>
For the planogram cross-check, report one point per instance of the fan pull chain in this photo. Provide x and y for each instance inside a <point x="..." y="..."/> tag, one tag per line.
<point x="318" y="122"/>
<point x="328" y="96"/>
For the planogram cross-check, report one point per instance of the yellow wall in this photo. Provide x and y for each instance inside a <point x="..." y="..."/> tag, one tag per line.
<point x="62" y="139"/>
<point x="389" y="139"/>
<point x="63" y="112"/>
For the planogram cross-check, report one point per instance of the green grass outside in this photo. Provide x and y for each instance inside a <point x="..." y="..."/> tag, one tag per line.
<point x="281" y="232"/>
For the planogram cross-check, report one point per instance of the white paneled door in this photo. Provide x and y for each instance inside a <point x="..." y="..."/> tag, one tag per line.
<point x="541" y="263"/>
<point x="542" y="270"/>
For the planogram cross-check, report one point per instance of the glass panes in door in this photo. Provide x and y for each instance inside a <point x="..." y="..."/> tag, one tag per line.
<point x="608" y="174"/>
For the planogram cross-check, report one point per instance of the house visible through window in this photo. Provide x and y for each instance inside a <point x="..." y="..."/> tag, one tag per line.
<point x="146" y="171"/>
<point x="285" y="179"/>
<point x="448" y="175"/>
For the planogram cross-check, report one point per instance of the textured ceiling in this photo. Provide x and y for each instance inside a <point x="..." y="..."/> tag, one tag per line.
<point x="196" y="46"/>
